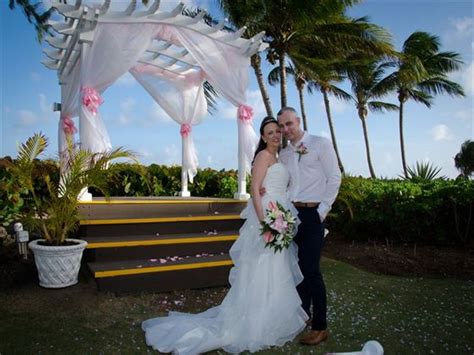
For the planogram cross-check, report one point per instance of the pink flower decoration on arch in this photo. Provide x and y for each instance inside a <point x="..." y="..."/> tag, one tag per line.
<point x="91" y="99"/>
<point x="245" y="113"/>
<point x="68" y="125"/>
<point x="185" y="130"/>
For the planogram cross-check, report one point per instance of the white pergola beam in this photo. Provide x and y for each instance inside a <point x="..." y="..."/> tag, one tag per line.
<point x="81" y="29"/>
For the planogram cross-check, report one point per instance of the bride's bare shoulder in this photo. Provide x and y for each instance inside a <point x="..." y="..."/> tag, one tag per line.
<point x="262" y="160"/>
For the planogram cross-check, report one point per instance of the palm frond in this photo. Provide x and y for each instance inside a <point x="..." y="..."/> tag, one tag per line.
<point x="211" y="97"/>
<point x="339" y="93"/>
<point x="441" y="85"/>
<point x="379" y="106"/>
<point x="421" y="97"/>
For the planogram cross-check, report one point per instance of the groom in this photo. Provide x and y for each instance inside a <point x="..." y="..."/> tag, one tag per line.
<point x="314" y="183"/>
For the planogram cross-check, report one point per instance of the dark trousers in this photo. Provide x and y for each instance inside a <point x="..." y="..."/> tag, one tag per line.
<point x="310" y="241"/>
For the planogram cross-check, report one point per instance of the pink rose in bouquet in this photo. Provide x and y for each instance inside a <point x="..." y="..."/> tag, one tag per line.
<point x="278" y="227"/>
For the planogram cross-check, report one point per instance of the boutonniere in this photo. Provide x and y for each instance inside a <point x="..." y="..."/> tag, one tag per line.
<point x="301" y="149"/>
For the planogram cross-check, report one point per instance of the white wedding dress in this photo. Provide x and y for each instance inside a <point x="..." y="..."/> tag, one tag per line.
<point x="262" y="307"/>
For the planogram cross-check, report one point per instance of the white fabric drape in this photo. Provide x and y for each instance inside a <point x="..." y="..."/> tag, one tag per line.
<point x="226" y="69"/>
<point x="69" y="110"/>
<point x="115" y="49"/>
<point x="182" y="97"/>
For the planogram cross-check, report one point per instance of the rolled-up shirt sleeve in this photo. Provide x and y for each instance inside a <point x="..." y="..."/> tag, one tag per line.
<point x="332" y="172"/>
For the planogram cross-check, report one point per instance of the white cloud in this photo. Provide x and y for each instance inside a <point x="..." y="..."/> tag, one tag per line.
<point x="209" y="159"/>
<point x="27" y="118"/>
<point x="45" y="106"/>
<point x="465" y="115"/>
<point x="126" y="80"/>
<point x="463" y="25"/>
<point x="35" y="76"/>
<point x="42" y="114"/>
<point x="126" y="111"/>
<point x="441" y="132"/>
<point x="172" y="155"/>
<point x="461" y="28"/>
<point x="159" y="115"/>
<point x="468" y="79"/>
<point x="335" y="105"/>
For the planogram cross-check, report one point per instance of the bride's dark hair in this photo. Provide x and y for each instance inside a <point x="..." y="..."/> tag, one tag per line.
<point x="261" y="144"/>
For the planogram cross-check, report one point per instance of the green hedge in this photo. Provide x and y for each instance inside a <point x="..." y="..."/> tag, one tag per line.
<point x="434" y="212"/>
<point x="162" y="180"/>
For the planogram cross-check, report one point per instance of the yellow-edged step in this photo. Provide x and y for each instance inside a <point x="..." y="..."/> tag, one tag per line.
<point x="136" y="243"/>
<point x="158" y="219"/>
<point x="145" y="270"/>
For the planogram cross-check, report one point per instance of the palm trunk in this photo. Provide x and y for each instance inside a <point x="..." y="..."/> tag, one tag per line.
<point x="300" y="88"/>
<point x="281" y="58"/>
<point x="402" y="143"/>
<point x="367" y="148"/>
<point x="331" y="128"/>
<point x="255" y="61"/>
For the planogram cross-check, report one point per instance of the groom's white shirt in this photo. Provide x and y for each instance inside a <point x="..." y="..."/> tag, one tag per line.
<point x="316" y="176"/>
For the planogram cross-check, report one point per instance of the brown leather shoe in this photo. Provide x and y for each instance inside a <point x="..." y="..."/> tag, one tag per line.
<point x="314" y="337"/>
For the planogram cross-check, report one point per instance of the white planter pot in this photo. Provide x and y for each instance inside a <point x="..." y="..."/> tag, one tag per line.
<point x="58" y="266"/>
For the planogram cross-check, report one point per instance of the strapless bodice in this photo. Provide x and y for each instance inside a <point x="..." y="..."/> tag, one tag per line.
<point x="276" y="180"/>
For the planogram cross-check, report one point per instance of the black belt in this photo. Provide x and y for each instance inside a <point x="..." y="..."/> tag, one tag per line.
<point x="306" y="204"/>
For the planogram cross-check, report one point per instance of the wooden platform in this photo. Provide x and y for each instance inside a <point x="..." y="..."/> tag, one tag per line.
<point x="159" y="244"/>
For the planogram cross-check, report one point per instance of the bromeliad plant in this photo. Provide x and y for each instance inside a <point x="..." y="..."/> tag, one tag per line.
<point x="56" y="213"/>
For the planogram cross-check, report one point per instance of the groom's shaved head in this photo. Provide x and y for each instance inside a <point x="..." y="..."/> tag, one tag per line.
<point x="289" y="123"/>
<point x="286" y="109"/>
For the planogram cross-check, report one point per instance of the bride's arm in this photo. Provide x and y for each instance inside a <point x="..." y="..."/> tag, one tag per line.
<point x="259" y="170"/>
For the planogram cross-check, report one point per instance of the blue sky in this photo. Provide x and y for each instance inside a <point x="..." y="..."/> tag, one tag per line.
<point x="133" y="120"/>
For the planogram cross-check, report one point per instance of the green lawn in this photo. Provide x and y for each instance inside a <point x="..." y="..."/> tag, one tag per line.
<point x="408" y="316"/>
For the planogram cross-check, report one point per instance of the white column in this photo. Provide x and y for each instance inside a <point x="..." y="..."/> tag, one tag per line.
<point x="84" y="195"/>
<point x="184" y="174"/>
<point x="241" y="193"/>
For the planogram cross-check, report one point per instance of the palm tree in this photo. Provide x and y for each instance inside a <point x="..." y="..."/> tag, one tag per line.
<point x="323" y="80"/>
<point x="366" y="86"/>
<point x="421" y="73"/>
<point x="242" y="13"/>
<point x="287" y="23"/>
<point x="34" y="16"/>
<point x="300" y="83"/>
<point x="464" y="160"/>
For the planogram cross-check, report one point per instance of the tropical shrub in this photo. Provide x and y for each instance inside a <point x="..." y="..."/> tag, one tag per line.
<point x="437" y="211"/>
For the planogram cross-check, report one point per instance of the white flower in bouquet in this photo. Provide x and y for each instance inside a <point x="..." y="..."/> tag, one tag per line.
<point x="278" y="227"/>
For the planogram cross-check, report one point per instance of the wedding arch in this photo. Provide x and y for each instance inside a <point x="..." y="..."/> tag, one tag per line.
<point x="171" y="55"/>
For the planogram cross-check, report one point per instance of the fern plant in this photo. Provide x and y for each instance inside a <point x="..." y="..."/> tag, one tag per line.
<point x="56" y="214"/>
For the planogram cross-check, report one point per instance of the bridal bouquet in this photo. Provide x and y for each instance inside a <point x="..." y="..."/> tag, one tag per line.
<point x="278" y="228"/>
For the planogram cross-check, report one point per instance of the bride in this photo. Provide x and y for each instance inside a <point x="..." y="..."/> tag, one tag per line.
<point x="262" y="307"/>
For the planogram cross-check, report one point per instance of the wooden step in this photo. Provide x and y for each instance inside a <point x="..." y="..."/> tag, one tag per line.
<point x="139" y="247"/>
<point x="151" y="275"/>
<point x="125" y="208"/>
<point x="125" y="227"/>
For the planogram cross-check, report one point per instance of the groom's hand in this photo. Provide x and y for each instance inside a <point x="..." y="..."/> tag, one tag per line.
<point x="262" y="191"/>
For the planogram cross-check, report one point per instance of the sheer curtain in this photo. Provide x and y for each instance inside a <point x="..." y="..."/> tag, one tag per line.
<point x="115" y="49"/>
<point x="227" y="70"/>
<point x="69" y="110"/>
<point x="182" y="97"/>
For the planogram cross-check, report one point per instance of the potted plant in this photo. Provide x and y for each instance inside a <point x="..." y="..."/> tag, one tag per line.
<point x="55" y="211"/>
